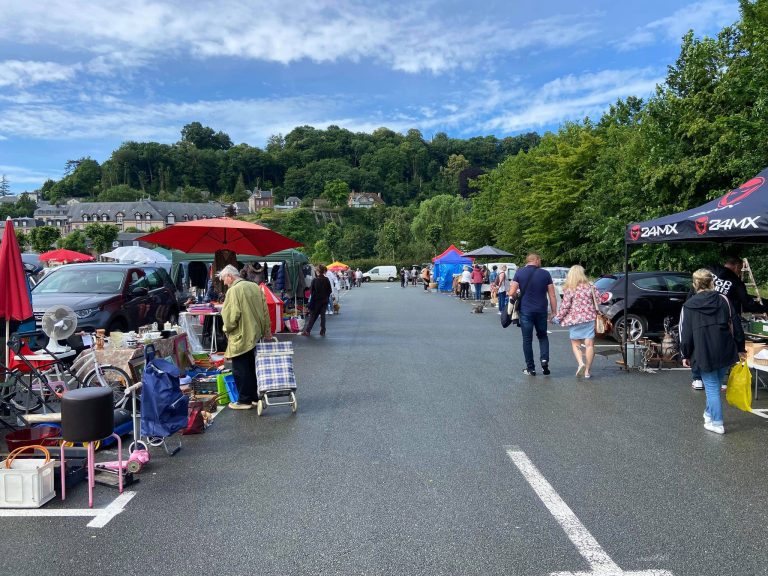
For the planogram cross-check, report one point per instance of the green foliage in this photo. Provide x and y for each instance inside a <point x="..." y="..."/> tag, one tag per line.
<point x="204" y="137"/>
<point x="41" y="239"/>
<point x="101" y="236"/>
<point x="5" y="186"/>
<point x="119" y="193"/>
<point x="336" y="192"/>
<point x="75" y="240"/>
<point x="22" y="239"/>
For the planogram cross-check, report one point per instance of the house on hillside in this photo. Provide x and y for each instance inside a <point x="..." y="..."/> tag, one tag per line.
<point x="142" y="215"/>
<point x="260" y="199"/>
<point x="364" y="199"/>
<point x="293" y="202"/>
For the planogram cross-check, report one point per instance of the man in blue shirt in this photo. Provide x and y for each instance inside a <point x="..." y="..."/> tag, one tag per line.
<point x="536" y="287"/>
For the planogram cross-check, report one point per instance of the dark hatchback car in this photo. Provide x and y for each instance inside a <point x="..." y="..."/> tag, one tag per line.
<point x="652" y="297"/>
<point x="110" y="296"/>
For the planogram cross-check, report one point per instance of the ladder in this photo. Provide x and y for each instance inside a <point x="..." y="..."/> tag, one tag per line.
<point x="748" y="278"/>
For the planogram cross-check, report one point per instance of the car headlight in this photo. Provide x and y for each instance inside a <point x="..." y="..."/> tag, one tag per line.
<point x="86" y="312"/>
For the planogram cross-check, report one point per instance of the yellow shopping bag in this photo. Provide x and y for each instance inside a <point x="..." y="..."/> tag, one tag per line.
<point x="739" y="393"/>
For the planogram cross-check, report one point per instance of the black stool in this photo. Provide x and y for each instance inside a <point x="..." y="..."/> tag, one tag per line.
<point x="87" y="415"/>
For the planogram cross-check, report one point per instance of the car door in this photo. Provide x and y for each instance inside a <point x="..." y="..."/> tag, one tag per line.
<point x="137" y="300"/>
<point x="652" y="301"/>
<point x="678" y="288"/>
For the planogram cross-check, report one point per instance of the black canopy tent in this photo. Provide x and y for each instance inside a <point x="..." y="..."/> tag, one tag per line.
<point x="739" y="216"/>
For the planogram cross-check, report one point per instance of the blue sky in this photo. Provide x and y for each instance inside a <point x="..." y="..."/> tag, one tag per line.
<point x="78" y="78"/>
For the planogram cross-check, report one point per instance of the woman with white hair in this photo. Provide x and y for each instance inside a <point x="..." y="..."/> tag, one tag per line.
<point x="465" y="280"/>
<point x="578" y="311"/>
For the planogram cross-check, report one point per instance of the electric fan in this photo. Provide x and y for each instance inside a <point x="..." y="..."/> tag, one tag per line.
<point x="59" y="323"/>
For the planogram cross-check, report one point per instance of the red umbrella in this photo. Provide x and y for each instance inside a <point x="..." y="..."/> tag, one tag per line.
<point x="14" y="298"/>
<point x="210" y="235"/>
<point x="65" y="256"/>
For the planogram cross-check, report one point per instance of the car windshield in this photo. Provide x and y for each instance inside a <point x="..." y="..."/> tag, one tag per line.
<point x="606" y="282"/>
<point x="74" y="281"/>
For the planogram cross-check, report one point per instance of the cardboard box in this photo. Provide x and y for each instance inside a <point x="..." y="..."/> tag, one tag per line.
<point x="752" y="349"/>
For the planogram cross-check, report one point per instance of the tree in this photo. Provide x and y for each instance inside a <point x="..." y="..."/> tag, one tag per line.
<point x="336" y="192"/>
<point x="75" y="240"/>
<point x="204" y="137"/>
<point x="5" y="186"/>
<point x="332" y="235"/>
<point x="120" y="193"/>
<point x="22" y="239"/>
<point x="42" y="238"/>
<point x="101" y="236"/>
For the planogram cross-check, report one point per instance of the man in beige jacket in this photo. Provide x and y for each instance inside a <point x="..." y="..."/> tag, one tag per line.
<point x="246" y="319"/>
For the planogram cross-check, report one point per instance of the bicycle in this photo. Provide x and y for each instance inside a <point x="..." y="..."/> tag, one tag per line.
<point x="92" y="373"/>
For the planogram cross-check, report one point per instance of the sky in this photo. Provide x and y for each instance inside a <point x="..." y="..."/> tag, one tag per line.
<point x="78" y="78"/>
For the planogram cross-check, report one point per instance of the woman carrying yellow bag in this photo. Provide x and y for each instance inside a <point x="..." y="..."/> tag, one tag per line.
<point x="706" y="342"/>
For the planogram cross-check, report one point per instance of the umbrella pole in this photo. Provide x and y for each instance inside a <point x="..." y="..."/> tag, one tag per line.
<point x="7" y="335"/>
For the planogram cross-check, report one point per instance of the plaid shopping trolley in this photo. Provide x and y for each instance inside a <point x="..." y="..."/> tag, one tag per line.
<point x="274" y="375"/>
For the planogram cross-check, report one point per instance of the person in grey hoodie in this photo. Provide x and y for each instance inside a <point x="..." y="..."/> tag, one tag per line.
<point x="707" y="342"/>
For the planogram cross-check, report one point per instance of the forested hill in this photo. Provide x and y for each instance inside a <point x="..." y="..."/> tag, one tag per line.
<point x="403" y="169"/>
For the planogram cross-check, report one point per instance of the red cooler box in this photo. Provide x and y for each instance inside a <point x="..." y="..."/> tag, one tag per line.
<point x="275" y="307"/>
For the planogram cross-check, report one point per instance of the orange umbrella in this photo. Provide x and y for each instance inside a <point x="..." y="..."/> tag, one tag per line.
<point x="14" y="297"/>
<point x="213" y="234"/>
<point x="336" y="266"/>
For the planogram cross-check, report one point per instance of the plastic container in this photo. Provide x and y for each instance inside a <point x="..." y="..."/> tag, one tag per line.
<point x="229" y="382"/>
<point x="221" y="389"/>
<point x="41" y="435"/>
<point x="26" y="483"/>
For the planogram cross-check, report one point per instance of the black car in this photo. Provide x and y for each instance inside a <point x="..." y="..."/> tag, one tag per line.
<point x="652" y="297"/>
<point x="110" y="296"/>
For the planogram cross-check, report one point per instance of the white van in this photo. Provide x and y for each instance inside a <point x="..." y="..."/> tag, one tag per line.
<point x="388" y="273"/>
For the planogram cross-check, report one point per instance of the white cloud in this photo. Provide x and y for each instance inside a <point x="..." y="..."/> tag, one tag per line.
<point x="702" y="17"/>
<point x="404" y="36"/>
<point x="18" y="175"/>
<point x="23" y="74"/>
<point x="573" y="98"/>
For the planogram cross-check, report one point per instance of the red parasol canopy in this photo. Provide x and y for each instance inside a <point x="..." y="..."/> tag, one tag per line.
<point x="65" y="256"/>
<point x="14" y="298"/>
<point x="210" y="235"/>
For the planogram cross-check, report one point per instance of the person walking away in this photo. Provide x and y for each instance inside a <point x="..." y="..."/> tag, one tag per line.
<point x="464" y="281"/>
<point x="727" y="281"/>
<point x="707" y="342"/>
<point x="578" y="312"/>
<point x="246" y="319"/>
<point x="493" y="274"/>
<point x="320" y="291"/>
<point x="358" y="278"/>
<point x="335" y="287"/>
<point x="536" y="288"/>
<point x="477" y="280"/>
<point x="502" y="281"/>
<point x="425" y="277"/>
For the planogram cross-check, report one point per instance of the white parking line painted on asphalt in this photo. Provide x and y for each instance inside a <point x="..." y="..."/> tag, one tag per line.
<point x="600" y="563"/>
<point x="101" y="516"/>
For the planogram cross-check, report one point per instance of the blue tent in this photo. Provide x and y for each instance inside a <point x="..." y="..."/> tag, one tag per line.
<point x="445" y="267"/>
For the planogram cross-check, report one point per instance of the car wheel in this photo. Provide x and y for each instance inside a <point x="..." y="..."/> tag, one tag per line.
<point x="638" y="326"/>
<point x="390" y="279"/>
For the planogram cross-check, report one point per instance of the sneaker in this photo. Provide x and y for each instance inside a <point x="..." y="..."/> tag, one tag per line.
<point x="714" y="428"/>
<point x="723" y="388"/>
<point x="580" y="370"/>
<point x="545" y="367"/>
<point x="529" y="372"/>
<point x="707" y="418"/>
<point x="697" y="385"/>
<point x="238" y="406"/>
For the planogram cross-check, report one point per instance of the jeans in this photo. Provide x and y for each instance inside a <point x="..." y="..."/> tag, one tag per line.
<point x="712" y="382"/>
<point x="244" y="373"/>
<point x="310" y="321"/>
<point x="503" y="297"/>
<point x="464" y="290"/>
<point x="529" y="321"/>
<point x="478" y="291"/>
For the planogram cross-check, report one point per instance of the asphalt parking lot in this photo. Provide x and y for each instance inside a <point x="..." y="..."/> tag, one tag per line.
<point x="420" y="448"/>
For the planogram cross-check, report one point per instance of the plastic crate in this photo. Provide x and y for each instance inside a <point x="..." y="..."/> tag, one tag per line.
<point x="229" y="382"/>
<point x="222" y="389"/>
<point x="26" y="483"/>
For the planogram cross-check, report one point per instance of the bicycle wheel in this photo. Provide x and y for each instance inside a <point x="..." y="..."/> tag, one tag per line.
<point x="24" y="398"/>
<point x="111" y="376"/>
